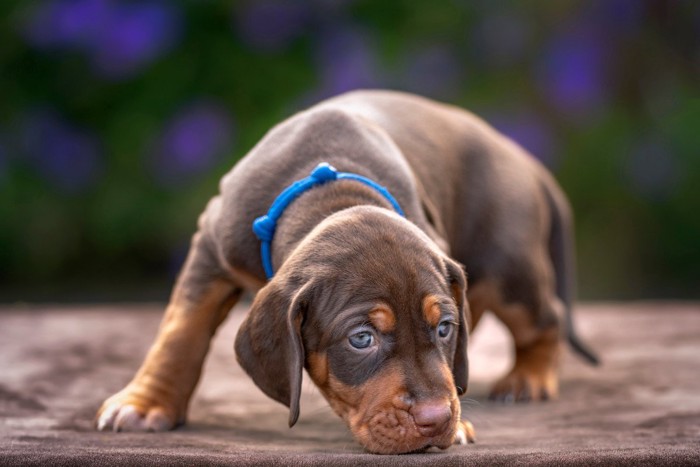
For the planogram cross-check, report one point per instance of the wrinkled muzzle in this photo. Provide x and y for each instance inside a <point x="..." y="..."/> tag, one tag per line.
<point x="385" y="419"/>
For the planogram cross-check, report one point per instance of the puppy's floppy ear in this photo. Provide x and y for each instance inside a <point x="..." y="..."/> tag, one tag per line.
<point x="458" y="285"/>
<point x="269" y="346"/>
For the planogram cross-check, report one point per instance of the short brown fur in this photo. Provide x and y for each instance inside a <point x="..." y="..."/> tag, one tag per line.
<point x="340" y="252"/>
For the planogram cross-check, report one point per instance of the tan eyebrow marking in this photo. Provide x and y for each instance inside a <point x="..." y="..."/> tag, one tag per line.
<point x="431" y="310"/>
<point x="383" y="319"/>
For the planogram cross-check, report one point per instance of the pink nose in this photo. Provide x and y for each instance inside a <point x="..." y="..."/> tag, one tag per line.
<point x="431" y="417"/>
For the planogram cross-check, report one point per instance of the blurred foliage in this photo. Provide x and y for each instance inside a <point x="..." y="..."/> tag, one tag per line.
<point x="118" y="118"/>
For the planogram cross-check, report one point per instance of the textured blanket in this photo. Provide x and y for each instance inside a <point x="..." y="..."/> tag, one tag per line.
<point x="641" y="407"/>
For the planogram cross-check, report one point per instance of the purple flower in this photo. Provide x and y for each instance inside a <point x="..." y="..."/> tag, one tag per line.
<point x="271" y="25"/>
<point x="66" y="23"/>
<point x="118" y="38"/>
<point x="192" y="142"/>
<point x="346" y="61"/>
<point x="65" y="155"/>
<point x="616" y="17"/>
<point x="135" y="35"/>
<point x="572" y="73"/>
<point x="530" y="131"/>
<point x="433" y="71"/>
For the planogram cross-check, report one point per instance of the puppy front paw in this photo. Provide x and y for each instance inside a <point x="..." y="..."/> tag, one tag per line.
<point x="128" y="411"/>
<point x="465" y="433"/>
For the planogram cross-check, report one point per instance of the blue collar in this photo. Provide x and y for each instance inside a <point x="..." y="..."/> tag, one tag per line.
<point x="264" y="226"/>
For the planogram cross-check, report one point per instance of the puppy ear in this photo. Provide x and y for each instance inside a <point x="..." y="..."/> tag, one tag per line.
<point x="269" y="346"/>
<point x="458" y="285"/>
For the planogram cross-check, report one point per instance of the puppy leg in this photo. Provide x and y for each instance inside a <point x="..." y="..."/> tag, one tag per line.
<point x="157" y="398"/>
<point x="534" y="375"/>
<point x="531" y="313"/>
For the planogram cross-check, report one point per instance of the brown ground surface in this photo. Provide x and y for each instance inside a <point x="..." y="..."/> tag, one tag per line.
<point x="642" y="407"/>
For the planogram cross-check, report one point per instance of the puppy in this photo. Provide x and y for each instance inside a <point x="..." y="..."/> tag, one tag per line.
<point x="359" y="276"/>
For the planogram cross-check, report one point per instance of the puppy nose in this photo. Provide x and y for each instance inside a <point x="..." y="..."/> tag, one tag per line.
<point x="431" y="417"/>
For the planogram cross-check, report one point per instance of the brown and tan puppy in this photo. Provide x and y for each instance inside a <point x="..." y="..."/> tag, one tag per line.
<point x="374" y="305"/>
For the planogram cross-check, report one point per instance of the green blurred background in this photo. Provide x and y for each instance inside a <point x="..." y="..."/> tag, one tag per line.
<point x="117" y="119"/>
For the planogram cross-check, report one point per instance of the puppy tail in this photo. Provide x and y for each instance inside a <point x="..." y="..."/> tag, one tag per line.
<point x="561" y="250"/>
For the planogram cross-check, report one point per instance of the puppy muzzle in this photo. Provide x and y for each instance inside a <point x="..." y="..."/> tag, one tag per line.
<point x="402" y="428"/>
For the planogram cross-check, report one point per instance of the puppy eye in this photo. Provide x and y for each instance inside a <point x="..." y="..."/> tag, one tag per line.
<point x="444" y="329"/>
<point x="361" y="340"/>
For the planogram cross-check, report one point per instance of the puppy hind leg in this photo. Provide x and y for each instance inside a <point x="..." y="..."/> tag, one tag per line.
<point x="157" y="397"/>
<point x="534" y="375"/>
<point x="535" y="324"/>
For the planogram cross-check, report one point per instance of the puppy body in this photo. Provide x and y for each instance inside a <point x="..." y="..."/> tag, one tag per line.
<point x="349" y="271"/>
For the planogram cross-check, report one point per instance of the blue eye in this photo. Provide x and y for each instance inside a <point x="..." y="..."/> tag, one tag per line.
<point x="361" y="340"/>
<point x="444" y="329"/>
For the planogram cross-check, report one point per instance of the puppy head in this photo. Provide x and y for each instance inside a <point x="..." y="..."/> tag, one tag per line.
<point x="378" y="317"/>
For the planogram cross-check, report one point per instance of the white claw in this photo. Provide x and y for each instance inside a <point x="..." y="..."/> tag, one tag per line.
<point x="461" y="437"/>
<point x="107" y="418"/>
